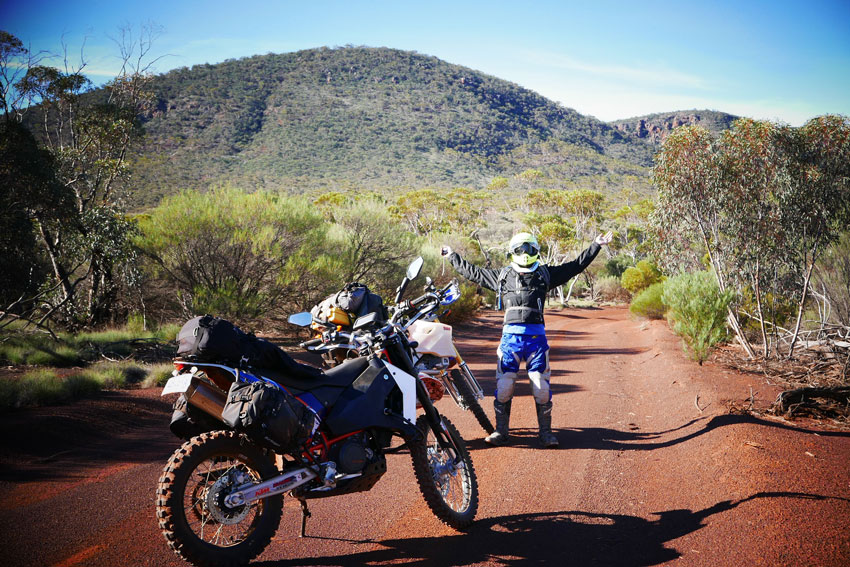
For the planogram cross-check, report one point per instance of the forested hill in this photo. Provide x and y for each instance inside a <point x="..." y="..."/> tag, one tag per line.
<point x="364" y="118"/>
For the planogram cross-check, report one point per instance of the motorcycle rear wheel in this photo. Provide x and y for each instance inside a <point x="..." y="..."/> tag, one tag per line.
<point x="196" y="523"/>
<point x="446" y="478"/>
<point x="470" y="400"/>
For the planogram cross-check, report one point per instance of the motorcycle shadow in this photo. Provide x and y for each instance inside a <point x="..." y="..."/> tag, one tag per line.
<point x="547" y="538"/>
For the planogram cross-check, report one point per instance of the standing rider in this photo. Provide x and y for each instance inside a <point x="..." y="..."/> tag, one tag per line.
<point x="521" y="290"/>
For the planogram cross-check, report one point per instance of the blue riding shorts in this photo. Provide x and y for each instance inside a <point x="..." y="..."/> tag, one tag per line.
<point x="529" y="348"/>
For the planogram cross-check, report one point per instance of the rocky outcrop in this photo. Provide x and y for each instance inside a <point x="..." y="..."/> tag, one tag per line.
<point x="655" y="128"/>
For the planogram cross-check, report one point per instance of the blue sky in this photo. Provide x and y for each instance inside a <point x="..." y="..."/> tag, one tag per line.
<point x="781" y="60"/>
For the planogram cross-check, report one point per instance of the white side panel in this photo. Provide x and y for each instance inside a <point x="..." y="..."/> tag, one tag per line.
<point x="407" y="385"/>
<point x="177" y="384"/>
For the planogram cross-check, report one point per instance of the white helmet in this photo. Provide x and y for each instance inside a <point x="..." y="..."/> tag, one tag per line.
<point x="524" y="249"/>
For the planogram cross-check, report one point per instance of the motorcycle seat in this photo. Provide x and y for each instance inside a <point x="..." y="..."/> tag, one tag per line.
<point x="339" y="376"/>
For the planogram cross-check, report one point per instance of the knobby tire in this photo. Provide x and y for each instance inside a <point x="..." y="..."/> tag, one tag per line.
<point x="436" y="491"/>
<point x="184" y="468"/>
<point x="471" y="401"/>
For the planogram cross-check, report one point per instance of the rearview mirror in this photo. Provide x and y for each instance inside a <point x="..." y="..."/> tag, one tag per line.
<point x="414" y="268"/>
<point x="301" y="319"/>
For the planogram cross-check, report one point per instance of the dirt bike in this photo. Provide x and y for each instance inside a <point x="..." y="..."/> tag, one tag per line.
<point x="220" y="496"/>
<point x="437" y="361"/>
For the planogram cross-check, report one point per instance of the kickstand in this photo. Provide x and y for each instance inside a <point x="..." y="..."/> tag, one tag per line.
<point x="305" y="513"/>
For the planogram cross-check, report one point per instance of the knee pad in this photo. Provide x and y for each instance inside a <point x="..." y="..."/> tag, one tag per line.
<point x="540" y="386"/>
<point x="505" y="386"/>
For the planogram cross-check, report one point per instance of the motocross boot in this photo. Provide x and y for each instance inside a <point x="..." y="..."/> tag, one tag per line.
<point x="544" y="421"/>
<point x="503" y="416"/>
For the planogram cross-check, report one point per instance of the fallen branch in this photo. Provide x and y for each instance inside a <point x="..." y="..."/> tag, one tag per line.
<point x="794" y="398"/>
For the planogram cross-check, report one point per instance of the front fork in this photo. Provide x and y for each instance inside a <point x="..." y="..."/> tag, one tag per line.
<point x="435" y="421"/>
<point x="469" y="380"/>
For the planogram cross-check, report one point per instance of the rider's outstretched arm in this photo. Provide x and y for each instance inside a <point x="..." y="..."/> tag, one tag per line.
<point x="485" y="277"/>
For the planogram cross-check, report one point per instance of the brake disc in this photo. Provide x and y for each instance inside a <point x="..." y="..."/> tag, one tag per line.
<point x="218" y="509"/>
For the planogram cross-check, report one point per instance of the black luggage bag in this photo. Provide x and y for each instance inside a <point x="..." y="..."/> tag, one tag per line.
<point x="212" y="339"/>
<point x="267" y="413"/>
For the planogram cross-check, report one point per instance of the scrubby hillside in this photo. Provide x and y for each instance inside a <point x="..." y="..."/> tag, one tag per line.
<point x="368" y="118"/>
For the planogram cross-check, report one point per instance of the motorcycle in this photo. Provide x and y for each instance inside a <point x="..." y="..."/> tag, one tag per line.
<point x="220" y="496"/>
<point x="436" y="359"/>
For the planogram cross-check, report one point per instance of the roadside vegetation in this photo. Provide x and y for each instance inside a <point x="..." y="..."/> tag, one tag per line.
<point x="43" y="370"/>
<point x="743" y="243"/>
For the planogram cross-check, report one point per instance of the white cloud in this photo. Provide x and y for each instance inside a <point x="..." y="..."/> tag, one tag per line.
<point x="617" y="105"/>
<point x="655" y="74"/>
<point x="608" y="96"/>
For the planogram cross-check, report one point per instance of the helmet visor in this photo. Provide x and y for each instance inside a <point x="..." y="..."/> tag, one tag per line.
<point x="525" y="248"/>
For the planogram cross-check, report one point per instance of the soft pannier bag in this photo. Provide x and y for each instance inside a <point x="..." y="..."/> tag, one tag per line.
<point x="268" y="413"/>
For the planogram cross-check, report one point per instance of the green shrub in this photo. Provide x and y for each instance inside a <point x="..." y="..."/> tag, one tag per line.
<point x="8" y="393"/>
<point x="465" y="307"/>
<point x="116" y="375"/>
<point x="697" y="311"/>
<point x="13" y="354"/>
<point x="168" y="333"/>
<point x="39" y="388"/>
<point x="136" y="323"/>
<point x="640" y="276"/>
<point x="78" y="386"/>
<point x="633" y="280"/>
<point x="38" y="350"/>
<point x="648" y="302"/>
<point x="158" y="375"/>
<point x="44" y="387"/>
<point x="60" y="355"/>
<point x="651" y="273"/>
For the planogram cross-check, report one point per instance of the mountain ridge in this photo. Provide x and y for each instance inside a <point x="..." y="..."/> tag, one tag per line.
<point x="361" y="118"/>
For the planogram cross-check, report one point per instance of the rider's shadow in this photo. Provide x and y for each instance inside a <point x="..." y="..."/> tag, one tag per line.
<point x="552" y="538"/>
<point x="606" y="439"/>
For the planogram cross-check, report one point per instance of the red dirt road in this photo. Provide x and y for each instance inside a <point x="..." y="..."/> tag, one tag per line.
<point x="652" y="470"/>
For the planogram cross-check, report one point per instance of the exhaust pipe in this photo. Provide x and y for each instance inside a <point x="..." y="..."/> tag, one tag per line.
<point x="206" y="397"/>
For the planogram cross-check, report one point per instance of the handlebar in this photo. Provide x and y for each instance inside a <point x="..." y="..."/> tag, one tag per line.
<point x="418" y="308"/>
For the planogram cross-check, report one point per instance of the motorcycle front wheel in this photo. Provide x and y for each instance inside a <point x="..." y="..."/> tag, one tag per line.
<point x="446" y="477"/>
<point x="194" y="519"/>
<point x="471" y="401"/>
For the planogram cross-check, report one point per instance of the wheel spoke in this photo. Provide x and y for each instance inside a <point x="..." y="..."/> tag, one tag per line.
<point x="231" y="526"/>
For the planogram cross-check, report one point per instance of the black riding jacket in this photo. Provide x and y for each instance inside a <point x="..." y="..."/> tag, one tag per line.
<point x="524" y="294"/>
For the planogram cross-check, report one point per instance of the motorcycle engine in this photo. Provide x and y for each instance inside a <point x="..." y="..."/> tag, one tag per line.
<point x="353" y="455"/>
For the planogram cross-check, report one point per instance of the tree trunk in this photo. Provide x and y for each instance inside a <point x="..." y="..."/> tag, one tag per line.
<point x="757" y="288"/>
<point x="800" y="307"/>
<point x="732" y="319"/>
<point x="62" y="276"/>
<point x="789" y="398"/>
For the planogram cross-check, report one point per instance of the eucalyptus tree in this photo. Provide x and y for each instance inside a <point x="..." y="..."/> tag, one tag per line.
<point x="84" y="235"/>
<point x="690" y="220"/>
<point x="761" y="203"/>
<point x="816" y="201"/>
